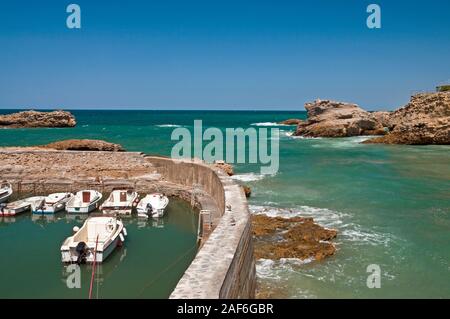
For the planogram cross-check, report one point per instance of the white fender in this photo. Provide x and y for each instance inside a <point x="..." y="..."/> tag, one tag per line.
<point x="121" y="237"/>
<point x="124" y="231"/>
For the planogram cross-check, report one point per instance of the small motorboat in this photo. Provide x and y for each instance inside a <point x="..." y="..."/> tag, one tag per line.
<point x="51" y="204"/>
<point x="94" y="241"/>
<point x="5" y="191"/>
<point x="120" y="201"/>
<point x="84" y="202"/>
<point x="19" y="206"/>
<point x="152" y="205"/>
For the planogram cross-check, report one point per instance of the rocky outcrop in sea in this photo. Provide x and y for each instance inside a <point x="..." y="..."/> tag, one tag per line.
<point x="297" y="237"/>
<point x="328" y="118"/>
<point x="37" y="119"/>
<point x="84" y="145"/>
<point x="424" y="120"/>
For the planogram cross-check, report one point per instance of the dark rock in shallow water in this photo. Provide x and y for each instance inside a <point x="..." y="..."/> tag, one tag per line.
<point x="424" y="120"/>
<point x="337" y="119"/>
<point x="84" y="145"/>
<point x="227" y="168"/>
<point x="38" y="119"/>
<point x="247" y="190"/>
<point x="298" y="237"/>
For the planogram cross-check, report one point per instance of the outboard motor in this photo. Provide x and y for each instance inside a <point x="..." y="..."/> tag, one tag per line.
<point x="82" y="250"/>
<point x="2" y="207"/>
<point x="149" y="209"/>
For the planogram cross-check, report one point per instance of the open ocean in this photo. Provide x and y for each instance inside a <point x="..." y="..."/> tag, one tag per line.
<point x="390" y="204"/>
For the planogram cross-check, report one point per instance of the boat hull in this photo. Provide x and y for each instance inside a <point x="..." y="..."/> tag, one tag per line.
<point x="118" y="211"/>
<point x="82" y="210"/>
<point x="102" y="248"/>
<point x="14" y="211"/>
<point x="48" y="210"/>
<point x="152" y="206"/>
<point x="68" y="257"/>
<point x="78" y="204"/>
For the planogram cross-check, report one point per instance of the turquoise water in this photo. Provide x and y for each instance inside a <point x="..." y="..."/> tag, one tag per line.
<point x="390" y="204"/>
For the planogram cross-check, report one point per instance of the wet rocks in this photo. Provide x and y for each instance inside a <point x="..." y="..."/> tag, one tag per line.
<point x="290" y="122"/>
<point x="298" y="237"/>
<point x="337" y="119"/>
<point x="227" y="168"/>
<point x="31" y="119"/>
<point x="84" y="145"/>
<point x="424" y="120"/>
<point x="247" y="190"/>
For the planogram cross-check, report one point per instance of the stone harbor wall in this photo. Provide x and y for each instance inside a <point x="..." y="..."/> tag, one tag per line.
<point x="224" y="266"/>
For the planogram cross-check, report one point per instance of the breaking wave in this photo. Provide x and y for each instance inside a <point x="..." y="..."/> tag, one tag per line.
<point x="169" y="125"/>
<point x="268" y="124"/>
<point x="248" y="177"/>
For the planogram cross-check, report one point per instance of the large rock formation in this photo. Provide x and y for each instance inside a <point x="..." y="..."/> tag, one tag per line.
<point x="38" y="119"/>
<point x="424" y="120"/>
<point x="84" y="145"/>
<point x="336" y="119"/>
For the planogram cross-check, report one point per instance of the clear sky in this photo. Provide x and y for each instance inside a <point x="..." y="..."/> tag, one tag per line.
<point x="190" y="54"/>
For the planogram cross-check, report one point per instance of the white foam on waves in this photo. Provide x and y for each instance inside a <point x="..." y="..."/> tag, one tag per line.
<point x="169" y="125"/>
<point x="248" y="177"/>
<point x="269" y="124"/>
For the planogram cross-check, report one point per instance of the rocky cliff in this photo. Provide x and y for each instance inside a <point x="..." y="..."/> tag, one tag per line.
<point x="38" y="119"/>
<point x="337" y="119"/>
<point x="424" y="120"/>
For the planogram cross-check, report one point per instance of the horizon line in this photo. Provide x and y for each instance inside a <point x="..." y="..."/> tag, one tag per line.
<point x="167" y="109"/>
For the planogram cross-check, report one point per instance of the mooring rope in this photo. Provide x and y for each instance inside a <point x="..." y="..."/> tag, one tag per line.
<point x="93" y="269"/>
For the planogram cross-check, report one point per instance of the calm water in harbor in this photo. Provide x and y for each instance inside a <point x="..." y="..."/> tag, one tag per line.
<point x="390" y="204"/>
<point x="150" y="263"/>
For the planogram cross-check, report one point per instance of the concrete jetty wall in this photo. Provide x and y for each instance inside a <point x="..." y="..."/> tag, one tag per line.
<point x="224" y="266"/>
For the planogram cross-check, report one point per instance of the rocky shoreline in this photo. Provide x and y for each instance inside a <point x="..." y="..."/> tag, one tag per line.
<point x="424" y="120"/>
<point x="34" y="119"/>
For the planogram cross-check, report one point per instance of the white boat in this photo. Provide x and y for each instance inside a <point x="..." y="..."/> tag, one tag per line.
<point x="19" y="206"/>
<point x="152" y="205"/>
<point x="84" y="202"/>
<point x="94" y="241"/>
<point x="5" y="191"/>
<point x="120" y="201"/>
<point x="51" y="204"/>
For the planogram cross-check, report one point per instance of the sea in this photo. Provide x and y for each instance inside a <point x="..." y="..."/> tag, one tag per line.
<point x="389" y="203"/>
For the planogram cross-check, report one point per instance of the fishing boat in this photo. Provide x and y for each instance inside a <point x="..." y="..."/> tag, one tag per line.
<point x="51" y="204"/>
<point x="19" y="206"/>
<point x="94" y="241"/>
<point x="120" y="201"/>
<point x="84" y="202"/>
<point x="152" y="205"/>
<point x="5" y="191"/>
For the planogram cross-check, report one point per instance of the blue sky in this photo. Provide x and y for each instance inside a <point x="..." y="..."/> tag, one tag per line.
<point x="220" y="54"/>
